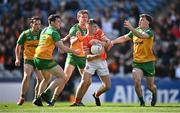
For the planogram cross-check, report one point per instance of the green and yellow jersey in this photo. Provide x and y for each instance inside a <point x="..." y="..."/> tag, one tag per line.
<point x="143" y="47"/>
<point x="48" y="37"/>
<point x="30" y="41"/>
<point x="78" y="44"/>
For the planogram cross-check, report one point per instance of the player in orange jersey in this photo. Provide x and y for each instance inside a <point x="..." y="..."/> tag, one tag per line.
<point x="94" y="63"/>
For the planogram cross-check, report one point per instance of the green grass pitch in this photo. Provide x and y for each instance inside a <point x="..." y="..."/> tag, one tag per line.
<point x="63" y="107"/>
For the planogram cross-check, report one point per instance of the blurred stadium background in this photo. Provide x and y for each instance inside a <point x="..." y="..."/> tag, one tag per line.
<point x="110" y="15"/>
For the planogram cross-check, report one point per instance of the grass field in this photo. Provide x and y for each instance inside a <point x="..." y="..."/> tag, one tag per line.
<point x="90" y="108"/>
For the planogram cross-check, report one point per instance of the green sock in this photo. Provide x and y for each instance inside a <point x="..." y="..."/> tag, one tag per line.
<point x="141" y="99"/>
<point x="47" y="91"/>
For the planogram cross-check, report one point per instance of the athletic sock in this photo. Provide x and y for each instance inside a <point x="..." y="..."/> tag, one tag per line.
<point x="22" y="95"/>
<point x="77" y="100"/>
<point x="141" y="99"/>
<point x="97" y="94"/>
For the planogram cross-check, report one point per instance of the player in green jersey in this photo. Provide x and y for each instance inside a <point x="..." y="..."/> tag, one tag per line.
<point x="29" y="40"/>
<point x="143" y="56"/>
<point x="49" y="39"/>
<point x="73" y="60"/>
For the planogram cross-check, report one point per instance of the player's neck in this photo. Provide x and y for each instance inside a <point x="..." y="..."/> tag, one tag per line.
<point x="144" y="28"/>
<point x="82" y="26"/>
<point x="34" y="31"/>
<point x="90" y="33"/>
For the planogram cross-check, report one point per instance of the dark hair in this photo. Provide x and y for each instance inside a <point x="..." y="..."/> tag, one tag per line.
<point x="92" y="22"/>
<point x="148" y="17"/>
<point x="34" y="18"/>
<point x="53" y="17"/>
<point x="82" y="12"/>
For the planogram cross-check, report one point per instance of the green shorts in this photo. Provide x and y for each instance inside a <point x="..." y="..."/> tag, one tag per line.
<point x="148" y="68"/>
<point x="80" y="62"/>
<point x="42" y="64"/>
<point x="31" y="62"/>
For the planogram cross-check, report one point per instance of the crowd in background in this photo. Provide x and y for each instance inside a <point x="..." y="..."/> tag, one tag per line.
<point x="14" y="15"/>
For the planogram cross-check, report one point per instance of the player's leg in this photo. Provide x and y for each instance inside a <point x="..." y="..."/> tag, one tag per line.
<point x="81" y="65"/>
<point x="82" y="88"/>
<point x="149" y="72"/>
<point x="68" y="70"/>
<point x="45" y="81"/>
<point x="39" y="78"/>
<point x="106" y="85"/>
<point x="152" y="87"/>
<point x="25" y="82"/>
<point x="71" y="62"/>
<point x="137" y="75"/>
<point x="59" y="81"/>
<point x="103" y="73"/>
<point x="42" y="86"/>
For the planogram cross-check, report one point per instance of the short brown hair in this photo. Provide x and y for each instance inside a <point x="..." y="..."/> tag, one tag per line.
<point x="81" y="12"/>
<point x="53" y="17"/>
<point x="34" y="18"/>
<point x="148" y="17"/>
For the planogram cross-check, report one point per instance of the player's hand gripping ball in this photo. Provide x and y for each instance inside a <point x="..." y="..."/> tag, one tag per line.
<point x="97" y="49"/>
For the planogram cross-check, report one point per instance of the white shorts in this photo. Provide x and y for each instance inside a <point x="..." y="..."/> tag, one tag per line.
<point x="100" y="66"/>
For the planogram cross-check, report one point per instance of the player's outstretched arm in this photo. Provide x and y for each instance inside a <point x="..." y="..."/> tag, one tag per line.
<point x="66" y="49"/>
<point x="118" y="40"/>
<point x="65" y="38"/>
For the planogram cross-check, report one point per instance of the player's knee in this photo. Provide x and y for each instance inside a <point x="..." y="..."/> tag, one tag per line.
<point x="137" y="82"/>
<point x="150" y="86"/>
<point x="62" y="78"/>
<point x="46" y="79"/>
<point x="38" y="80"/>
<point x="67" y="79"/>
<point x="26" y="78"/>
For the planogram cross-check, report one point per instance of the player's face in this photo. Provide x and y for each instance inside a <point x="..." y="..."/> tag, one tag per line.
<point x="91" y="28"/>
<point x="83" y="18"/>
<point x="36" y="25"/>
<point x="57" y="23"/>
<point x="143" y="23"/>
<point x="94" y="28"/>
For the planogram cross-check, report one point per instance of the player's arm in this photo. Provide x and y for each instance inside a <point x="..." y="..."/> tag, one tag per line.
<point x="19" y="44"/>
<point x="106" y="41"/>
<point x="143" y="34"/>
<point x="91" y="57"/>
<point x="65" y="38"/>
<point x="118" y="40"/>
<point x="18" y="54"/>
<point x="76" y="38"/>
<point x="66" y="49"/>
